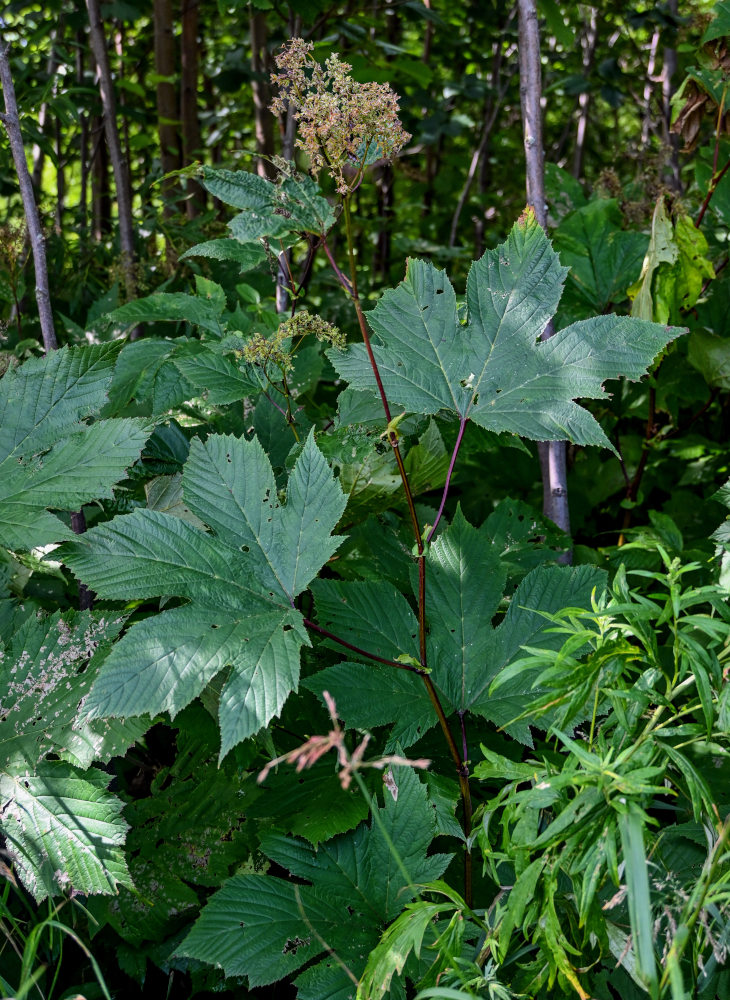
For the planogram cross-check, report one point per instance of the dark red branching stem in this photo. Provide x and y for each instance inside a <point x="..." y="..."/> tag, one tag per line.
<point x="454" y="453"/>
<point x="361" y="652"/>
<point x="461" y="767"/>
<point x="341" y="276"/>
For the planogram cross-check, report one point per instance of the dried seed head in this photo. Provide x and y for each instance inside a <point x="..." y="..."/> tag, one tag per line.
<point x="341" y="123"/>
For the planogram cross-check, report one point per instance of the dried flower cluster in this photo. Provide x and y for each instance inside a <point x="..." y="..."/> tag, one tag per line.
<point x="261" y="350"/>
<point x="341" y="122"/>
<point x="315" y="747"/>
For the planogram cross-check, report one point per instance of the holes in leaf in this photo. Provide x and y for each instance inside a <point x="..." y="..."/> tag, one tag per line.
<point x="439" y="291"/>
<point x="228" y="459"/>
<point x="287" y="628"/>
<point x="245" y="548"/>
<point x="293" y="945"/>
<point x="215" y="626"/>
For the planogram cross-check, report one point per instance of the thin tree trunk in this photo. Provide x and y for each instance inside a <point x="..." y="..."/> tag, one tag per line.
<point x="553" y="454"/>
<point x="649" y="87"/>
<point x="101" y="203"/>
<point x="11" y="122"/>
<point x="83" y="143"/>
<point x="119" y="164"/>
<point x="119" y="52"/>
<point x="589" y="41"/>
<point x="60" y="177"/>
<point x="263" y="118"/>
<point x="669" y="72"/>
<point x="167" y="104"/>
<point x="195" y="202"/>
<point x="50" y="343"/>
<point x="38" y="156"/>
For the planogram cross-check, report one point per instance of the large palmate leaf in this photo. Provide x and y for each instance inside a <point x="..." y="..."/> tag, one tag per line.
<point x="63" y="829"/>
<point x="240" y="579"/>
<point x="266" y="928"/>
<point x="464" y="583"/>
<point x="48" y="456"/>
<point x="491" y="369"/>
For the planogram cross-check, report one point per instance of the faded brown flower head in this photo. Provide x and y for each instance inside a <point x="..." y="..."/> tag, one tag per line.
<point x="340" y="121"/>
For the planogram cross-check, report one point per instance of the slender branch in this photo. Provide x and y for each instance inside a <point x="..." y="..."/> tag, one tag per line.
<point x="454" y="453"/>
<point x="362" y="652"/>
<point x="11" y="121"/>
<point x="714" y="182"/>
<point x="339" y="274"/>
<point x="119" y="162"/>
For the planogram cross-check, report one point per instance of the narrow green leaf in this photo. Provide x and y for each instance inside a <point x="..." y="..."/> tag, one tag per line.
<point x="639" y="897"/>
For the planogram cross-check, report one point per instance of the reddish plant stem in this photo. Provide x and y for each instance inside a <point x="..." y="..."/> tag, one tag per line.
<point x="714" y="182"/>
<point x="362" y="652"/>
<point x="455" y="452"/>
<point x="461" y="768"/>
<point x="339" y="274"/>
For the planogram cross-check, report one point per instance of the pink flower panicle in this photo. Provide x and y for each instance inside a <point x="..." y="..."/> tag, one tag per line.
<point x="340" y="122"/>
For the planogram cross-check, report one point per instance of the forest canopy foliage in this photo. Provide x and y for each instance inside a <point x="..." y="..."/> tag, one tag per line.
<point x="302" y="692"/>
